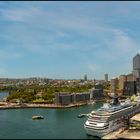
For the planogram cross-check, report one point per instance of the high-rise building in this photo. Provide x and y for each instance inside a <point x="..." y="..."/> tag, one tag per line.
<point x="106" y="77"/>
<point x="136" y="71"/>
<point x="138" y="85"/>
<point x="130" y="85"/>
<point x="130" y="77"/>
<point x="122" y="80"/>
<point x="136" y="66"/>
<point x="85" y="77"/>
<point x="114" y="84"/>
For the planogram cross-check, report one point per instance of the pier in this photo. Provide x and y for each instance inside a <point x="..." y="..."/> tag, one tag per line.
<point x="113" y="135"/>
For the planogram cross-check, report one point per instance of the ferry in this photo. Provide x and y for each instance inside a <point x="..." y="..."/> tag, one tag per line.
<point x="82" y="115"/>
<point x="111" y="116"/>
<point x="37" y="117"/>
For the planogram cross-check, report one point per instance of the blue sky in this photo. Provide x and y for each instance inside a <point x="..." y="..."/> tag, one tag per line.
<point x="68" y="39"/>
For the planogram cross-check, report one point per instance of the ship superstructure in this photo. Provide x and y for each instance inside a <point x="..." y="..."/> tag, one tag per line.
<point x="110" y="116"/>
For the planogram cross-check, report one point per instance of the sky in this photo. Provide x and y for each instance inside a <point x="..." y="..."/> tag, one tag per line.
<point x="68" y="39"/>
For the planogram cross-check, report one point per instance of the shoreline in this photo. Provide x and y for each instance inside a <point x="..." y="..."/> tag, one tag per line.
<point x="6" y="105"/>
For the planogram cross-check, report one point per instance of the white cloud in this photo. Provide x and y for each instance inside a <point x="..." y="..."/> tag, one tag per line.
<point x="63" y="25"/>
<point x="44" y="30"/>
<point x="93" y="67"/>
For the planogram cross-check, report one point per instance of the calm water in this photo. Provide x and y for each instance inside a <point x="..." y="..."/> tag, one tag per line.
<point x="57" y="123"/>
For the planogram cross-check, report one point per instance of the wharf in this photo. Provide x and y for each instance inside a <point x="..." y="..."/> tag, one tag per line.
<point x="114" y="134"/>
<point x="123" y="134"/>
<point x="129" y="134"/>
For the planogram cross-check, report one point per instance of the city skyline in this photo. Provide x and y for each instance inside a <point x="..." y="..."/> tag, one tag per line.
<point x="66" y="40"/>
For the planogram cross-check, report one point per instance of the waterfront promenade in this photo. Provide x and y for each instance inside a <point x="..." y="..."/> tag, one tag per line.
<point x="123" y="134"/>
<point x="7" y="105"/>
<point x="129" y="134"/>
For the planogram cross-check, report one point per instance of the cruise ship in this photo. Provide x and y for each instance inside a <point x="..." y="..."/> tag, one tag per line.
<point x="111" y="116"/>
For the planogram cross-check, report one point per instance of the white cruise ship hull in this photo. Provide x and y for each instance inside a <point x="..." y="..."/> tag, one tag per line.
<point x="102" y="132"/>
<point x="110" y="118"/>
<point x="92" y="132"/>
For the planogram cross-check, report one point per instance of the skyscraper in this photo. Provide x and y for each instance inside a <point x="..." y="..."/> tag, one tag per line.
<point x="85" y="77"/>
<point x="114" y="84"/>
<point x="130" y="85"/>
<point x="136" y="66"/>
<point x="136" y="71"/>
<point x="122" y="80"/>
<point x="106" y="77"/>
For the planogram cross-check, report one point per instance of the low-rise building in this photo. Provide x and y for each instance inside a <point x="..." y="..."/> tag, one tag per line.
<point x="71" y="98"/>
<point x="82" y="97"/>
<point x="97" y="92"/>
<point x="98" y="86"/>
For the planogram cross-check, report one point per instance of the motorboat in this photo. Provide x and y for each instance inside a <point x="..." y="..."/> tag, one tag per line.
<point x="37" y="117"/>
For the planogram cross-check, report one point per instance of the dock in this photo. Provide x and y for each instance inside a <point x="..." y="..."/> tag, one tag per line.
<point x="113" y="135"/>
<point x="129" y="134"/>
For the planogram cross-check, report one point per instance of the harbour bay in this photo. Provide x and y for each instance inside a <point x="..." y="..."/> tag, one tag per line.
<point x="57" y="123"/>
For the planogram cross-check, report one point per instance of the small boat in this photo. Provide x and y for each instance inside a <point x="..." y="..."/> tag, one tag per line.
<point x="37" y="117"/>
<point x="82" y="115"/>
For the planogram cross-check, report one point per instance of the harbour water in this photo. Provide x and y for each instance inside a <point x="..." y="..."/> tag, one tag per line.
<point x="57" y="123"/>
